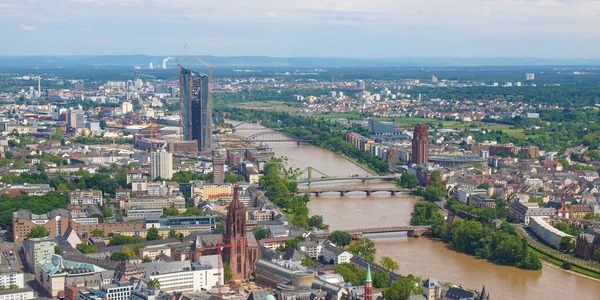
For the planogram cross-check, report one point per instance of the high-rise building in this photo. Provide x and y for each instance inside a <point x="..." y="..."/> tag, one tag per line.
<point x="76" y="119"/>
<point x="196" y="109"/>
<point x="361" y="84"/>
<point x="236" y="253"/>
<point x="368" y="285"/>
<point x="161" y="164"/>
<point x="420" y="145"/>
<point x="36" y="250"/>
<point x="218" y="168"/>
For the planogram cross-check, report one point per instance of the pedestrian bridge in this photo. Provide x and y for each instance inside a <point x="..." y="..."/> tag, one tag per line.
<point x="317" y="191"/>
<point x="343" y="178"/>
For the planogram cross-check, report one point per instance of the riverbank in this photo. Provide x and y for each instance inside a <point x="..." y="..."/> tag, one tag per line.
<point x="356" y="163"/>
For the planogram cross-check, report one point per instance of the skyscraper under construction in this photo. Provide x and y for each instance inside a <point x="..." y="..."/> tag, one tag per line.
<point x="196" y="108"/>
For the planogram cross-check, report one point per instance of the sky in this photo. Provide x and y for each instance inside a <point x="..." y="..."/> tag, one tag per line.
<point x="303" y="28"/>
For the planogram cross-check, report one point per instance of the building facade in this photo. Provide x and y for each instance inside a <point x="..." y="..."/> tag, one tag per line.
<point x="236" y="252"/>
<point x="161" y="164"/>
<point x="420" y="145"/>
<point x="218" y="169"/>
<point x="196" y="109"/>
<point x="36" y="250"/>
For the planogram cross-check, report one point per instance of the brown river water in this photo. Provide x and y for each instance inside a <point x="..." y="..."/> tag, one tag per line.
<point x="422" y="257"/>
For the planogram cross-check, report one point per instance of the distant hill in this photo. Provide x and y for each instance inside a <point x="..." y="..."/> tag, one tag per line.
<point x="128" y="61"/>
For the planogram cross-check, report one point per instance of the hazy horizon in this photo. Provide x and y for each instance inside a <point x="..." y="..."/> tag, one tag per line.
<point x="376" y="29"/>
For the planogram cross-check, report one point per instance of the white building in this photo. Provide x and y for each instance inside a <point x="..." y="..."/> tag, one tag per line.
<point x="547" y="232"/>
<point x="313" y="249"/>
<point x="161" y="164"/>
<point x="36" y="250"/>
<point x="183" y="276"/>
<point x="118" y="291"/>
<point x="12" y="278"/>
<point x="18" y="294"/>
<point x="86" y="197"/>
<point x="336" y="255"/>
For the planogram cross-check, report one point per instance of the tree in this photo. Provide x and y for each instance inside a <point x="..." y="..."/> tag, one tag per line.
<point x="597" y="253"/>
<point x="97" y="233"/>
<point x="152" y="234"/>
<point x="389" y="264"/>
<point x="316" y="221"/>
<point x="365" y="248"/>
<point x="381" y="279"/>
<point x="172" y="234"/>
<point x="37" y="231"/>
<point x="307" y="261"/>
<point x="153" y="283"/>
<point x="351" y="273"/>
<point x="567" y="244"/>
<point x="259" y="233"/>
<point x="102" y="124"/>
<point x="402" y="288"/>
<point x="61" y="187"/>
<point x="408" y="181"/>
<point x="341" y="238"/>
<point x="118" y="256"/>
<point x="227" y="272"/>
<point x="87" y="249"/>
<point x="566" y="265"/>
<point x="129" y="252"/>
<point x="146" y="259"/>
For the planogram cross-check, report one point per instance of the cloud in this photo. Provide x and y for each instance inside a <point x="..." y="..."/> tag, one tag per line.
<point x="29" y="28"/>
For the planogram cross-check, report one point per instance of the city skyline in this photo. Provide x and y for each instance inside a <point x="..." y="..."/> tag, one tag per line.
<point x="345" y="29"/>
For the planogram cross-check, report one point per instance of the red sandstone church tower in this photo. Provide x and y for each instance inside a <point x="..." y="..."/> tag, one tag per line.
<point x="236" y="252"/>
<point x="368" y="285"/>
<point x="420" y="145"/>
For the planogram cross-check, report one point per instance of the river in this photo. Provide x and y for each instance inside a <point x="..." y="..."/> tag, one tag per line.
<point x="421" y="256"/>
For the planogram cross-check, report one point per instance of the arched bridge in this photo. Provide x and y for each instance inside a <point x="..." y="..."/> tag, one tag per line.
<point x="277" y="136"/>
<point x="415" y="231"/>
<point x="344" y="190"/>
<point x="342" y="178"/>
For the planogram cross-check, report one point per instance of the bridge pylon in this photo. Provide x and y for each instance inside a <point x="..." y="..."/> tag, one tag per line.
<point x="309" y="171"/>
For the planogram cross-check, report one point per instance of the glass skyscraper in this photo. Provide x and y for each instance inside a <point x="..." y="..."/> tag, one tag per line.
<point x="196" y="108"/>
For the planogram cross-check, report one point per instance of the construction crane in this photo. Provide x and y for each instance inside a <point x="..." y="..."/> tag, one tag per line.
<point x="210" y="86"/>
<point x="182" y="56"/>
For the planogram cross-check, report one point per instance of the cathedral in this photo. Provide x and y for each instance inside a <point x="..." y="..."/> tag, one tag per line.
<point x="239" y="248"/>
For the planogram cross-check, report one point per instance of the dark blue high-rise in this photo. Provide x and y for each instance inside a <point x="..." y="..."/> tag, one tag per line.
<point x="196" y="108"/>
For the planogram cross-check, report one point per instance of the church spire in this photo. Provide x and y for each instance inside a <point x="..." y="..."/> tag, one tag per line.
<point x="368" y="285"/>
<point x="368" y="279"/>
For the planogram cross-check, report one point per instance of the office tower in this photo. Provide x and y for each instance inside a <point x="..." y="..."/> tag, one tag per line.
<point x="420" y="145"/>
<point x="361" y="84"/>
<point x="236" y="253"/>
<point x="196" y="108"/>
<point x="161" y="164"/>
<point x="76" y="119"/>
<point x="218" y="168"/>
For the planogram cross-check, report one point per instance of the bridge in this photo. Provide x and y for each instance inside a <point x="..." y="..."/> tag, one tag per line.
<point x="412" y="231"/>
<point x="344" y="190"/>
<point x="342" y="178"/>
<point x="277" y="136"/>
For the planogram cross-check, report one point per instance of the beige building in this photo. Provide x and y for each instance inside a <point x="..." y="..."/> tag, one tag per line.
<point x="211" y="192"/>
<point x="161" y="164"/>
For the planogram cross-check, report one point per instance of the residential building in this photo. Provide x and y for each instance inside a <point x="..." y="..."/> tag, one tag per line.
<point x="36" y="250"/>
<point x="12" y="278"/>
<point x="335" y="255"/>
<point x="86" y="197"/>
<point x="525" y="211"/>
<point x="17" y="294"/>
<point x="196" y="110"/>
<point x="551" y="235"/>
<point x="161" y="164"/>
<point x="578" y="211"/>
<point x="314" y="249"/>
